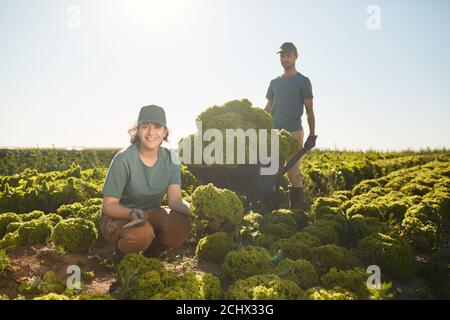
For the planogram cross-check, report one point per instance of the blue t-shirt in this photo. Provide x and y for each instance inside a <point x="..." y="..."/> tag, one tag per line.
<point x="287" y="95"/>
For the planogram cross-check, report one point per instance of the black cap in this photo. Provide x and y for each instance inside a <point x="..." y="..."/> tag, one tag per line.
<point x="287" y="47"/>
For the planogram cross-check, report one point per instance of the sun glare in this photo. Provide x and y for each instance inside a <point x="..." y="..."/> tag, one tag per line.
<point x="149" y="13"/>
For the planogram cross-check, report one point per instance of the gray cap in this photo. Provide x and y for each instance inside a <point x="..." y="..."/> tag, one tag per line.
<point x="287" y="47"/>
<point x="152" y="113"/>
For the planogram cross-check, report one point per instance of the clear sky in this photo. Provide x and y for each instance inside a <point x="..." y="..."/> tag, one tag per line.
<point x="68" y="84"/>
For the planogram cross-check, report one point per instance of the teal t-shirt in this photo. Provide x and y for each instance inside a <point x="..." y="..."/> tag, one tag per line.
<point x="287" y="95"/>
<point x="138" y="185"/>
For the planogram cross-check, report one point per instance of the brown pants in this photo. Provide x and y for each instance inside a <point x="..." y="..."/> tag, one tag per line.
<point x="294" y="175"/>
<point x="162" y="230"/>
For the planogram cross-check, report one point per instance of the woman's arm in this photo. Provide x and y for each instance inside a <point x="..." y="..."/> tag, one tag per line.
<point x="175" y="200"/>
<point x="113" y="209"/>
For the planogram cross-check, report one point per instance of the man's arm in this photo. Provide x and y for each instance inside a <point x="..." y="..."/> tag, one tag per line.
<point x="268" y="107"/>
<point x="310" y="116"/>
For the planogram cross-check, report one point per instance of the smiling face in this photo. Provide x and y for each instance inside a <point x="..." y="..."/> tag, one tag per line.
<point x="151" y="134"/>
<point x="288" y="59"/>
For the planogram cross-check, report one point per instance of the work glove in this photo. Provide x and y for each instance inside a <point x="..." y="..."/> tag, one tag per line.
<point x="138" y="214"/>
<point x="310" y="142"/>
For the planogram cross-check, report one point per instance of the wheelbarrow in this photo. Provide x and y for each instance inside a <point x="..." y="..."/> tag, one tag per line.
<point x="246" y="179"/>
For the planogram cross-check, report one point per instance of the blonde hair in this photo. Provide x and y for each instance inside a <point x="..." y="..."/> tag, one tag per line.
<point x="133" y="133"/>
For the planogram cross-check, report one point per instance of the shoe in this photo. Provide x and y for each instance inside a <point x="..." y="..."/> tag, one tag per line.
<point x="155" y="250"/>
<point x="117" y="256"/>
<point x="294" y="197"/>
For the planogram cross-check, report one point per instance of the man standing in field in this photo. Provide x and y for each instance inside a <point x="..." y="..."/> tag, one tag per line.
<point x="286" y="95"/>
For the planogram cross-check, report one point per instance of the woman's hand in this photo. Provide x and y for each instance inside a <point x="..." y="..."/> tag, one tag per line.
<point x="176" y="201"/>
<point x="138" y="214"/>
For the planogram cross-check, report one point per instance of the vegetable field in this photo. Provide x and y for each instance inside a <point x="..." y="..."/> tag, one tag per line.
<point x="360" y="209"/>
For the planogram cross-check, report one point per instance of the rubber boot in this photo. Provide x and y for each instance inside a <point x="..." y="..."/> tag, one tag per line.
<point x="155" y="250"/>
<point x="117" y="256"/>
<point x="294" y="197"/>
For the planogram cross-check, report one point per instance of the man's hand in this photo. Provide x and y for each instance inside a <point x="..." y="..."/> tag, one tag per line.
<point x="310" y="115"/>
<point x="137" y="214"/>
<point x="310" y="142"/>
<point x="268" y="107"/>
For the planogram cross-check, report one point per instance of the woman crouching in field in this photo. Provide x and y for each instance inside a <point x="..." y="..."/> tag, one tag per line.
<point x="138" y="178"/>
